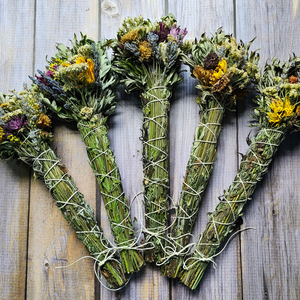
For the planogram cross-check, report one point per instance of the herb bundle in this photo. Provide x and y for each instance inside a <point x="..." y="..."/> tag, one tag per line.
<point x="277" y="114"/>
<point x="80" y="85"/>
<point x="25" y="134"/>
<point x="224" y="69"/>
<point x="148" y="57"/>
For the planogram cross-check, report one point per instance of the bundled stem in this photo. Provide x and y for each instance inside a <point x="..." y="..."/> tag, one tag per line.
<point x="80" y="86"/>
<point x="156" y="167"/>
<point x="102" y="161"/>
<point x="196" y="178"/>
<point x="253" y="166"/>
<point x="78" y="214"/>
<point x="147" y="55"/>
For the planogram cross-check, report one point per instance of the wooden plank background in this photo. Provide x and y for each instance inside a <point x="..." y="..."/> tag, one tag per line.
<point x="34" y="239"/>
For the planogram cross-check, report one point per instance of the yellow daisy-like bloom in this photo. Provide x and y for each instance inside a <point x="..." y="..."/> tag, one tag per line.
<point x="145" y="50"/>
<point x="3" y="105"/>
<point x="129" y="37"/>
<point x="219" y="72"/>
<point x="1" y="134"/>
<point x="280" y="110"/>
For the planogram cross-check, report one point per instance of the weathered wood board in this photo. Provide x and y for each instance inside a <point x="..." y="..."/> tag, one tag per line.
<point x="258" y="264"/>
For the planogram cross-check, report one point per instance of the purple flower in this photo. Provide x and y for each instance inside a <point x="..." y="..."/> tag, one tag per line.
<point x="174" y="31"/>
<point x="163" y="33"/>
<point x="183" y="32"/>
<point x="50" y="73"/>
<point x="178" y="34"/>
<point x="14" y="124"/>
<point x="41" y="79"/>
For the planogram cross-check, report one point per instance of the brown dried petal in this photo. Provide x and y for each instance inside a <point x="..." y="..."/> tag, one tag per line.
<point x="220" y="84"/>
<point x="43" y="122"/>
<point x="202" y="75"/>
<point x="293" y="79"/>
<point x="211" y="61"/>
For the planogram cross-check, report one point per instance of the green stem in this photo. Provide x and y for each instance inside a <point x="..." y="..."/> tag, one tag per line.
<point x="198" y="171"/>
<point x="156" y="166"/>
<point x="103" y="164"/>
<point x="253" y="166"/>
<point x="77" y="212"/>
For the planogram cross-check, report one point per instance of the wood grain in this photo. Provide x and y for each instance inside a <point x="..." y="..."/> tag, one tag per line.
<point x="52" y="242"/>
<point x="205" y="17"/>
<point x="15" y="182"/>
<point x="270" y="267"/>
<point x="125" y="136"/>
<point x="260" y="264"/>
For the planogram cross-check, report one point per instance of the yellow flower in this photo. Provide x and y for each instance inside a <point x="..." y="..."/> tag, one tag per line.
<point x="202" y="75"/>
<point x="219" y="72"/>
<point x="280" y="110"/>
<point x="65" y="64"/>
<point x="43" y="121"/>
<point x="298" y="110"/>
<point x="129" y="37"/>
<point x="88" y="75"/>
<point x="1" y="134"/>
<point x="145" y="50"/>
<point x="80" y="60"/>
<point x="3" y="105"/>
<point x="90" y="78"/>
<point x="13" y="139"/>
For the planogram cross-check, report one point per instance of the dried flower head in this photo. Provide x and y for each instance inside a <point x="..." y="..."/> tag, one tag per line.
<point x="202" y="75"/>
<point x="293" y="79"/>
<point x="2" y="135"/>
<point x="211" y="61"/>
<point x="221" y="84"/>
<point x="43" y="122"/>
<point x="162" y="33"/>
<point x="129" y="37"/>
<point x="298" y="110"/>
<point x="280" y="110"/>
<point x="86" y="112"/>
<point x="14" y="124"/>
<point x="145" y="50"/>
<point x="219" y="71"/>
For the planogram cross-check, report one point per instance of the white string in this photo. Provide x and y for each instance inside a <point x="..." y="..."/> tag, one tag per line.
<point x="131" y="243"/>
<point x="176" y="249"/>
<point x="200" y="257"/>
<point x="158" y="231"/>
<point x="110" y="251"/>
